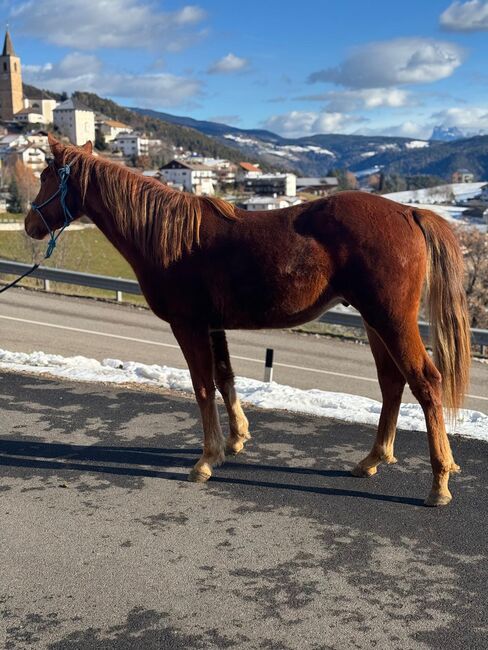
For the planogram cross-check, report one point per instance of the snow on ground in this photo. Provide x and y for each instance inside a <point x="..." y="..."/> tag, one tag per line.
<point x="341" y="406"/>
<point x="439" y="194"/>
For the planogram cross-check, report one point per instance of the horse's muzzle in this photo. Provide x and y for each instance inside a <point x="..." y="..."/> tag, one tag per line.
<point x="34" y="226"/>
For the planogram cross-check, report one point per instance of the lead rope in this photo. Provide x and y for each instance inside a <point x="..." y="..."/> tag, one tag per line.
<point x="62" y="191"/>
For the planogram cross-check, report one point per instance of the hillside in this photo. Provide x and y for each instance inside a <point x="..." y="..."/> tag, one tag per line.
<point x="308" y="156"/>
<point x="440" y="158"/>
<point x="172" y="134"/>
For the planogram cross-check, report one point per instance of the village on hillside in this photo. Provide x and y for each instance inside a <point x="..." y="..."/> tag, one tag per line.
<point x="26" y="117"/>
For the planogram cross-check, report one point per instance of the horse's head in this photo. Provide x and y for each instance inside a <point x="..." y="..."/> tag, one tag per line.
<point x="48" y="201"/>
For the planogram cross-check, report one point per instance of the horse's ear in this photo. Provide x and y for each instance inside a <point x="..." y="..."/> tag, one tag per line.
<point x="55" y="145"/>
<point x="87" y="147"/>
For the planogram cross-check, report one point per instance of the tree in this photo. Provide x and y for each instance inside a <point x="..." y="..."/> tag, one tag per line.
<point x="100" y="142"/>
<point x="475" y="251"/>
<point x="23" y="186"/>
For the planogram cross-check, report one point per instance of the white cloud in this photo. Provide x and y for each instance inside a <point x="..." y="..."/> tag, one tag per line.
<point x="468" y="118"/>
<point x="407" y="129"/>
<point x="366" y="98"/>
<point x="466" y="16"/>
<point x="93" y="24"/>
<point x="472" y="120"/>
<point x="300" y="123"/>
<point x="79" y="71"/>
<point x="390" y="63"/>
<point x="228" y="64"/>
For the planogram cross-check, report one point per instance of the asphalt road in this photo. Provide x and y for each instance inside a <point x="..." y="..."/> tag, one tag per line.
<point x="105" y="546"/>
<point x="32" y="320"/>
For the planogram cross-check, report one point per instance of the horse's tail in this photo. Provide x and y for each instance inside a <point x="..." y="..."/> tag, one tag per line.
<point x="448" y="307"/>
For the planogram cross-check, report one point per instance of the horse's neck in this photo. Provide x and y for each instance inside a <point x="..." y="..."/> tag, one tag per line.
<point x="104" y="219"/>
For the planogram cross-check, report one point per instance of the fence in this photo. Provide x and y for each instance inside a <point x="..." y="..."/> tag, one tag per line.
<point x="120" y="286"/>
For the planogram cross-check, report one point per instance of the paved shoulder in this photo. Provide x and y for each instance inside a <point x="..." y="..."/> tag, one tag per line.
<point x="104" y="544"/>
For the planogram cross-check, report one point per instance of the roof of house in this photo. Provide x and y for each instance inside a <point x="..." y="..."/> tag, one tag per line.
<point x="186" y="165"/>
<point x="249" y="167"/>
<point x="73" y="104"/>
<point x="117" y="125"/>
<point x="8" y="48"/>
<point x="26" y="111"/>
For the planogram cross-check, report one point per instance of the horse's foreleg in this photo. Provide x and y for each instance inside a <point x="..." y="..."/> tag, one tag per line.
<point x="224" y="378"/>
<point x="195" y="345"/>
<point x="392" y="383"/>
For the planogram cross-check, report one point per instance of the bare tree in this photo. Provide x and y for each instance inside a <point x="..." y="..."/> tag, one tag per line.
<point x="475" y="250"/>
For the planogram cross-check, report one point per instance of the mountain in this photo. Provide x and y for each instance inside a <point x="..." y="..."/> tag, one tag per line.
<point x="309" y="156"/>
<point x="447" y="134"/>
<point x="172" y="134"/>
<point x="439" y="159"/>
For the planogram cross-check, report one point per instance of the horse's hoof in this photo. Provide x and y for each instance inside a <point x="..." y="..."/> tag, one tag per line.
<point x="197" y="476"/>
<point x="454" y="469"/>
<point x="363" y="472"/>
<point x="234" y="448"/>
<point x="435" y="499"/>
<point x="390" y="460"/>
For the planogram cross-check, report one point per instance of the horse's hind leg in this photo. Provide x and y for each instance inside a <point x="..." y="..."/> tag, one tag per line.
<point x="195" y="345"/>
<point x="224" y="378"/>
<point x="392" y="383"/>
<point x="407" y="349"/>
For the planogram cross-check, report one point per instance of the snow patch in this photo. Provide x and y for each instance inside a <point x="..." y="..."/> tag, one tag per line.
<point x="341" y="406"/>
<point x="416" y="144"/>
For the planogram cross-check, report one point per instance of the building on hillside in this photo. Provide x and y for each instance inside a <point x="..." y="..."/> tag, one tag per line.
<point x="110" y="129"/>
<point x="317" y="186"/>
<point x="39" y="138"/>
<point x="10" y="141"/>
<point x="29" y="155"/>
<point x="462" y="176"/>
<point x="224" y="170"/>
<point x="193" y="177"/>
<point x="39" y="101"/>
<point x="11" y="91"/>
<point x="75" y="120"/>
<point x="247" y="170"/>
<point x="268" y="203"/>
<point x="272" y="185"/>
<point x="28" y="116"/>
<point x="130" y="145"/>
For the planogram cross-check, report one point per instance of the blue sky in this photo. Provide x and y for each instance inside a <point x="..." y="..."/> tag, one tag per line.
<point x="393" y="68"/>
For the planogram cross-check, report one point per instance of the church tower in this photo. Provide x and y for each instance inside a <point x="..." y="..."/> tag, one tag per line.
<point x="11" y="92"/>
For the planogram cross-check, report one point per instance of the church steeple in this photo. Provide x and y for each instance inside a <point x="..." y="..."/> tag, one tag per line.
<point x="8" y="48"/>
<point x="11" y="91"/>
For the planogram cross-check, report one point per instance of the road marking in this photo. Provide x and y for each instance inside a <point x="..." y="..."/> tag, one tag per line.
<point x="177" y="347"/>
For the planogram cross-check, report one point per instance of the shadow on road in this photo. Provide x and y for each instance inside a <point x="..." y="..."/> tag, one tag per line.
<point x="140" y="461"/>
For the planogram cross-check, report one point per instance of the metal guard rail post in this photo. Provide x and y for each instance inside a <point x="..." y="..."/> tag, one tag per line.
<point x="120" y="285"/>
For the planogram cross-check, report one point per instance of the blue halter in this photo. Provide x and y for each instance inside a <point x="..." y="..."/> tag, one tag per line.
<point x="62" y="192"/>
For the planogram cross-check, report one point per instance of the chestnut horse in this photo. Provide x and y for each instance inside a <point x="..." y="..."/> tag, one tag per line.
<point x="205" y="266"/>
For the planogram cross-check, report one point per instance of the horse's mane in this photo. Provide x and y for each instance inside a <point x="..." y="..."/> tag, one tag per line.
<point x="162" y="222"/>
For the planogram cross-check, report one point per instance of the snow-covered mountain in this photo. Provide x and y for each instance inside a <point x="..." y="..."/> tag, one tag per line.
<point x="450" y="133"/>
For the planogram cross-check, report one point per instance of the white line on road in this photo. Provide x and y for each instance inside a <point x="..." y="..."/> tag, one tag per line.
<point x="177" y="347"/>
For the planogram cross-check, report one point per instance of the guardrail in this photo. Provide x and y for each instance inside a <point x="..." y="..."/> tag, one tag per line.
<point x="120" y="286"/>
